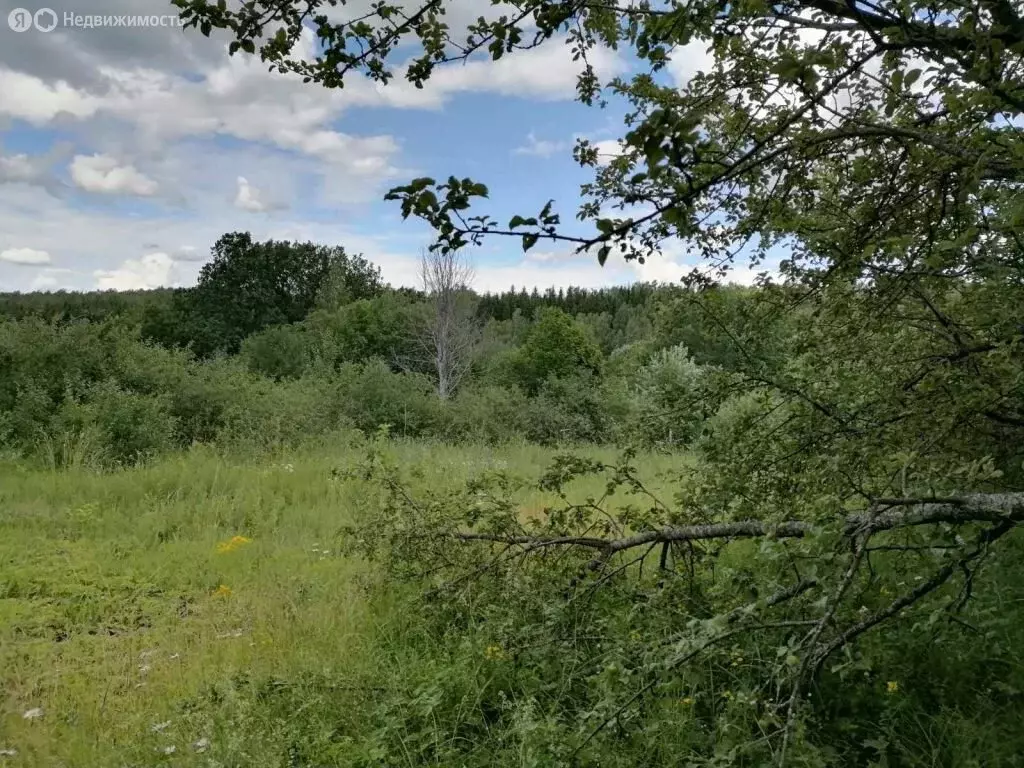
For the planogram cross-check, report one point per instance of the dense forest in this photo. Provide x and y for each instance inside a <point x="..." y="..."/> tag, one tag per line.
<point x="280" y="341"/>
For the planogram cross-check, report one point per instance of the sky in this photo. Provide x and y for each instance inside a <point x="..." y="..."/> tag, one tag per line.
<point x="125" y="152"/>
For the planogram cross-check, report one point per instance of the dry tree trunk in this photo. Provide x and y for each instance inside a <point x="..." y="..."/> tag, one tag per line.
<point x="449" y="337"/>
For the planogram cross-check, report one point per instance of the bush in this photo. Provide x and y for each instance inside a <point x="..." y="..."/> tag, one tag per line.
<point x="487" y="413"/>
<point x="569" y="409"/>
<point x="201" y="402"/>
<point x="372" y="395"/>
<point x="668" y="399"/>
<point x="280" y="352"/>
<point x="379" y="327"/>
<point x="132" y="428"/>
<point x="280" y="414"/>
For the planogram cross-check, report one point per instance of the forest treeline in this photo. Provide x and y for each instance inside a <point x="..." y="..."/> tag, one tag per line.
<point x="281" y="341"/>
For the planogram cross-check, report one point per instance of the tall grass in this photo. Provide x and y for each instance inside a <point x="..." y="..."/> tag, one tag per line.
<point x="141" y="643"/>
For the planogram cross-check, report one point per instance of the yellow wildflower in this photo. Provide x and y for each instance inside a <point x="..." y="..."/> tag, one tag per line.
<point x="687" y="702"/>
<point x="494" y="653"/>
<point x="232" y="544"/>
<point x="892" y="687"/>
<point x="222" y="591"/>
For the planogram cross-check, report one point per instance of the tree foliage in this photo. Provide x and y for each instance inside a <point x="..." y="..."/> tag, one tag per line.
<point x="556" y="346"/>
<point x="249" y="286"/>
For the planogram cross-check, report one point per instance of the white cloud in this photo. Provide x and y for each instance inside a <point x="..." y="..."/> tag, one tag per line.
<point x="608" y="150"/>
<point x="249" y="198"/>
<point x="25" y="256"/>
<point x="104" y="175"/>
<point x="151" y="271"/>
<point x="36" y="170"/>
<point x="687" y="60"/>
<point x="48" y="280"/>
<point x="31" y="99"/>
<point x="546" y="72"/>
<point x="540" y="147"/>
<point x="19" y="168"/>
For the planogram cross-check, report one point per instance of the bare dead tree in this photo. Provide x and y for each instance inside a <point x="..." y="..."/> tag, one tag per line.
<point x="451" y="332"/>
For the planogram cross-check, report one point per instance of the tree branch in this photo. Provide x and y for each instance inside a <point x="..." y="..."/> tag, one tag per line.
<point x="894" y="513"/>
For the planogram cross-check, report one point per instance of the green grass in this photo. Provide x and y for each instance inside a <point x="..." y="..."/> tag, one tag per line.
<point x="112" y="620"/>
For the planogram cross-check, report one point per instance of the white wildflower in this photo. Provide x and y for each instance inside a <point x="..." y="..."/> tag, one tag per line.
<point x="170" y="749"/>
<point x="8" y="752"/>
<point x="33" y="714"/>
<point x="202" y="745"/>
<point x="158" y="727"/>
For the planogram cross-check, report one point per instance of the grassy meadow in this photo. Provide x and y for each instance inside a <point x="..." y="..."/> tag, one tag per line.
<point x="195" y="611"/>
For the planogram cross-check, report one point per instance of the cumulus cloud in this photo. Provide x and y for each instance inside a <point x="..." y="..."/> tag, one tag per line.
<point x="25" y="256"/>
<point x="248" y="198"/>
<point x="38" y="102"/>
<point x="687" y="60"/>
<point x="19" y="168"/>
<point x="36" y="169"/>
<point x="103" y="174"/>
<point x="49" y="280"/>
<point x="153" y="270"/>
<point x="548" y="257"/>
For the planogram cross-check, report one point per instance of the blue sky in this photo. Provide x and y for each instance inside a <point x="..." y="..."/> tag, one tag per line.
<point x="125" y="153"/>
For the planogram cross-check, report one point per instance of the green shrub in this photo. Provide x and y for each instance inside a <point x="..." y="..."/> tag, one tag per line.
<point x="668" y="399"/>
<point x="488" y="413"/>
<point x="372" y="394"/>
<point x="132" y="427"/>
<point x="356" y="332"/>
<point x="280" y="414"/>
<point x="280" y="352"/>
<point x="569" y="409"/>
<point x="201" y="402"/>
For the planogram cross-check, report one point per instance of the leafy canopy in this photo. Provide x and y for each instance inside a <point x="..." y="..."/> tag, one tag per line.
<point x="249" y="286"/>
<point x="555" y="346"/>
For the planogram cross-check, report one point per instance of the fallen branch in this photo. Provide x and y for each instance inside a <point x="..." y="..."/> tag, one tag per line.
<point x="886" y="514"/>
